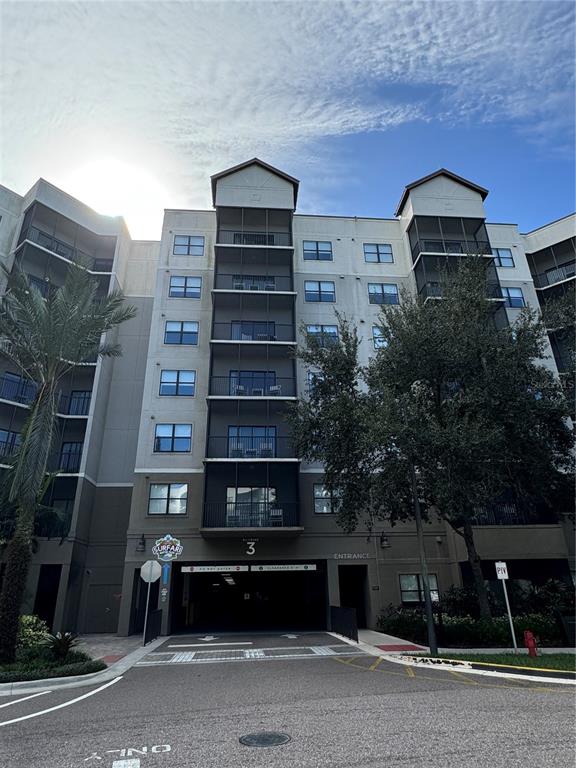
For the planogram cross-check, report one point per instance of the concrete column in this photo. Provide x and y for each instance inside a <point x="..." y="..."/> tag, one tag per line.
<point x="126" y="601"/>
<point x="60" y="612"/>
<point x="333" y="584"/>
<point x="31" y="588"/>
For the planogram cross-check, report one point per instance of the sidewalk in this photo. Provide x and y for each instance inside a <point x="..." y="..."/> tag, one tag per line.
<point x="109" y="648"/>
<point x="389" y="643"/>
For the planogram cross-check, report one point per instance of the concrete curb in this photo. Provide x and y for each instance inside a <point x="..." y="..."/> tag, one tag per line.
<point x="467" y="667"/>
<point x="78" y="681"/>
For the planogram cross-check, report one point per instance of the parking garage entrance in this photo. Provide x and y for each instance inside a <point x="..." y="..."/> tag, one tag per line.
<point x="249" y="597"/>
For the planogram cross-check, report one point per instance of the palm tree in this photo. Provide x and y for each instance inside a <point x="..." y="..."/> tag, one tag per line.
<point x="44" y="338"/>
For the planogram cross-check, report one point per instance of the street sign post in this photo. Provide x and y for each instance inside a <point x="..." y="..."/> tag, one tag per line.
<point x="502" y="575"/>
<point x="150" y="572"/>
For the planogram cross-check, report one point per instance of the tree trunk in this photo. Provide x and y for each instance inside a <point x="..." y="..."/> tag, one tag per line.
<point x="474" y="560"/>
<point x="18" y="555"/>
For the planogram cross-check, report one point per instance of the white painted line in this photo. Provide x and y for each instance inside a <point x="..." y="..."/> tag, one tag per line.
<point x="323" y="650"/>
<point x="254" y="653"/>
<point x="206" y="645"/>
<point x="61" y="706"/>
<point x="185" y="656"/>
<point x="132" y="763"/>
<point x="18" y="701"/>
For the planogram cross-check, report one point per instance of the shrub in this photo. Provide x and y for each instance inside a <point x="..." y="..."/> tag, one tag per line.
<point x="468" y="632"/>
<point x="32" y="631"/>
<point x="12" y="674"/>
<point x="61" y="643"/>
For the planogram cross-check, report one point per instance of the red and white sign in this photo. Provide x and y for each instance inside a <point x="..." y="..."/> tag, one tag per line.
<point x="501" y="570"/>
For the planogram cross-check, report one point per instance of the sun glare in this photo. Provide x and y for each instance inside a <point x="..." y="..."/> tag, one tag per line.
<point x="115" y="188"/>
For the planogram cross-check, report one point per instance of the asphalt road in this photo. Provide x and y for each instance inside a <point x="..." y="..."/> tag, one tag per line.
<point x="339" y="707"/>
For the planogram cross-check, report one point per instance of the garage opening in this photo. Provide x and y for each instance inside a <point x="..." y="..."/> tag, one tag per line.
<point x="250" y="600"/>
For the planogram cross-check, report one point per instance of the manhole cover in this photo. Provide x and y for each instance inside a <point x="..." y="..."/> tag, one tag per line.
<point x="265" y="739"/>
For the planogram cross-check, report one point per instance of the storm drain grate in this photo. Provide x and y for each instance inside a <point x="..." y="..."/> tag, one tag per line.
<point x="265" y="739"/>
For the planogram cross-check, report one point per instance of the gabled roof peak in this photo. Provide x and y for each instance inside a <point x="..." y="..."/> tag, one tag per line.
<point x="440" y="172"/>
<point x="254" y="161"/>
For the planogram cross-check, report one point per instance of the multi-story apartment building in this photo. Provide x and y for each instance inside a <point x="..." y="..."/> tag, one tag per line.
<point x="185" y="434"/>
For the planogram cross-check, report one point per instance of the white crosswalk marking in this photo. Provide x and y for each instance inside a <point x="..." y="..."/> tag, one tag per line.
<point x="254" y="653"/>
<point x="185" y="656"/>
<point x="323" y="650"/>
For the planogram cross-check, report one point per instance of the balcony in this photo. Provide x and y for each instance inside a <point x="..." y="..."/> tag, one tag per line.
<point x="509" y="514"/>
<point x="65" y="250"/>
<point x="70" y="457"/>
<point x="262" y="283"/>
<point x="433" y="290"/>
<point x="462" y="247"/>
<point x="18" y="390"/>
<point x="256" y="386"/>
<point x="264" y="448"/>
<point x="254" y="238"/>
<point x="250" y="515"/>
<point x="554" y="276"/>
<point x="261" y="331"/>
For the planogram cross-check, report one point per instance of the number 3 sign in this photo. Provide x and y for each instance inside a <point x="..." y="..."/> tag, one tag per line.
<point x="251" y="548"/>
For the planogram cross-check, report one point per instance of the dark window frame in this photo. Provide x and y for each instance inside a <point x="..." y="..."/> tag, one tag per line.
<point x="512" y="301"/>
<point x="315" y="253"/>
<point x="331" y="500"/>
<point x="172" y="438"/>
<point x="498" y="257"/>
<point x="419" y="591"/>
<point x="372" y="295"/>
<point x="188" y="290"/>
<point x="187" y="245"/>
<point x="168" y="499"/>
<point x="324" y="337"/>
<point x="378" y="253"/>
<point x="177" y="383"/>
<point x="319" y="295"/>
<point x="182" y="333"/>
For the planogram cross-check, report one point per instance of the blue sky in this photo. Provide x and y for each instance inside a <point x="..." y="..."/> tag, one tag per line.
<point x="130" y="106"/>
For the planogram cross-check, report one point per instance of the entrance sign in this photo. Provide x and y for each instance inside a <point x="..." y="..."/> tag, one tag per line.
<point x="501" y="570"/>
<point x="283" y="567"/>
<point x="213" y="568"/>
<point x="502" y="574"/>
<point x="167" y="548"/>
<point x="150" y="571"/>
<point x="351" y="555"/>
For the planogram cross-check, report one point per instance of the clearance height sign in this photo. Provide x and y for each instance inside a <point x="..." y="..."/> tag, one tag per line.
<point x="244" y="568"/>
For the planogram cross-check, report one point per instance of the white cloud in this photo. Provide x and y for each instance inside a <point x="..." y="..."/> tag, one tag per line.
<point x="185" y="89"/>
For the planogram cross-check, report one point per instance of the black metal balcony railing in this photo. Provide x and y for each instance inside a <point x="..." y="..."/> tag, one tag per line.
<point x="236" y="237"/>
<point x="552" y="276"/>
<point x="60" y="248"/>
<point x="247" y="330"/>
<point x="75" y="404"/>
<point x="252" y="387"/>
<point x="433" y="290"/>
<point x="472" y="247"/>
<point x="250" y="515"/>
<point x="250" y="448"/>
<point x="253" y="282"/>
<point x="8" y="447"/>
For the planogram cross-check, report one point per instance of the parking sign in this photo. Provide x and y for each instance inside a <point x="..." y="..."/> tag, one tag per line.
<point x="501" y="570"/>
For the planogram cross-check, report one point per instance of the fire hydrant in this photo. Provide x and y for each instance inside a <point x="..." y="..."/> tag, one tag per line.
<point x="530" y="643"/>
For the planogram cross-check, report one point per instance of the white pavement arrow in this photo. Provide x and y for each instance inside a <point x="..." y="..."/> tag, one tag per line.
<point x="290" y="637"/>
<point x="208" y="638"/>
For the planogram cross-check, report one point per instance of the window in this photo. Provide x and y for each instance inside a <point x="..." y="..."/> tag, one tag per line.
<point x="167" y="499"/>
<point x="17" y="388"/>
<point x="378" y="341"/>
<point x="311" y="378"/>
<point x="177" y="383"/>
<point x="503" y="257"/>
<point x="252" y="442"/>
<point x="378" y="253"/>
<point x="178" y="332"/>
<point x="513" y="297"/>
<point x="70" y="455"/>
<point x="412" y="588"/>
<point x="315" y="290"/>
<point x="383" y="293"/>
<point x="326" y="334"/>
<point x="325" y="503"/>
<point x="250" y="330"/>
<point x="9" y="441"/>
<point x="250" y="497"/>
<point x="317" y="250"/>
<point x="188" y="245"/>
<point x="185" y="287"/>
<point x="173" y="438"/>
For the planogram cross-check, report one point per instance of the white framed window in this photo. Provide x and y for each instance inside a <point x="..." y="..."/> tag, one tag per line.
<point x="167" y="499"/>
<point x="188" y="245"/>
<point x="377" y="339"/>
<point x="383" y="293"/>
<point x="503" y="257"/>
<point x="378" y="253"/>
<point x="412" y="587"/>
<point x="317" y="250"/>
<point x="513" y="297"/>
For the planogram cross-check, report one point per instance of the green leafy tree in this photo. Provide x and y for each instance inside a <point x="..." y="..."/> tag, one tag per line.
<point x="44" y="338"/>
<point x="452" y="409"/>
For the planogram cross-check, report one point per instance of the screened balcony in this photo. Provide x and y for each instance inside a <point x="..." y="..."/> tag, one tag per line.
<point x="430" y="272"/>
<point x="252" y="384"/>
<point x="254" y="227"/>
<point x="253" y="330"/>
<point x="448" y="235"/>
<point x="253" y="282"/>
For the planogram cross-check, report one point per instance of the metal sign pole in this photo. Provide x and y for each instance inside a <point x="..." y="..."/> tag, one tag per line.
<point x="509" y="615"/>
<point x="147" y="606"/>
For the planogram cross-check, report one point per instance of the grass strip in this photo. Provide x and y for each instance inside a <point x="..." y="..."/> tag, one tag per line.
<point x="563" y="661"/>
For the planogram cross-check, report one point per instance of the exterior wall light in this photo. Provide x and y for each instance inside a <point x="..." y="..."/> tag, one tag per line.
<point x="384" y="541"/>
<point x="141" y="546"/>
